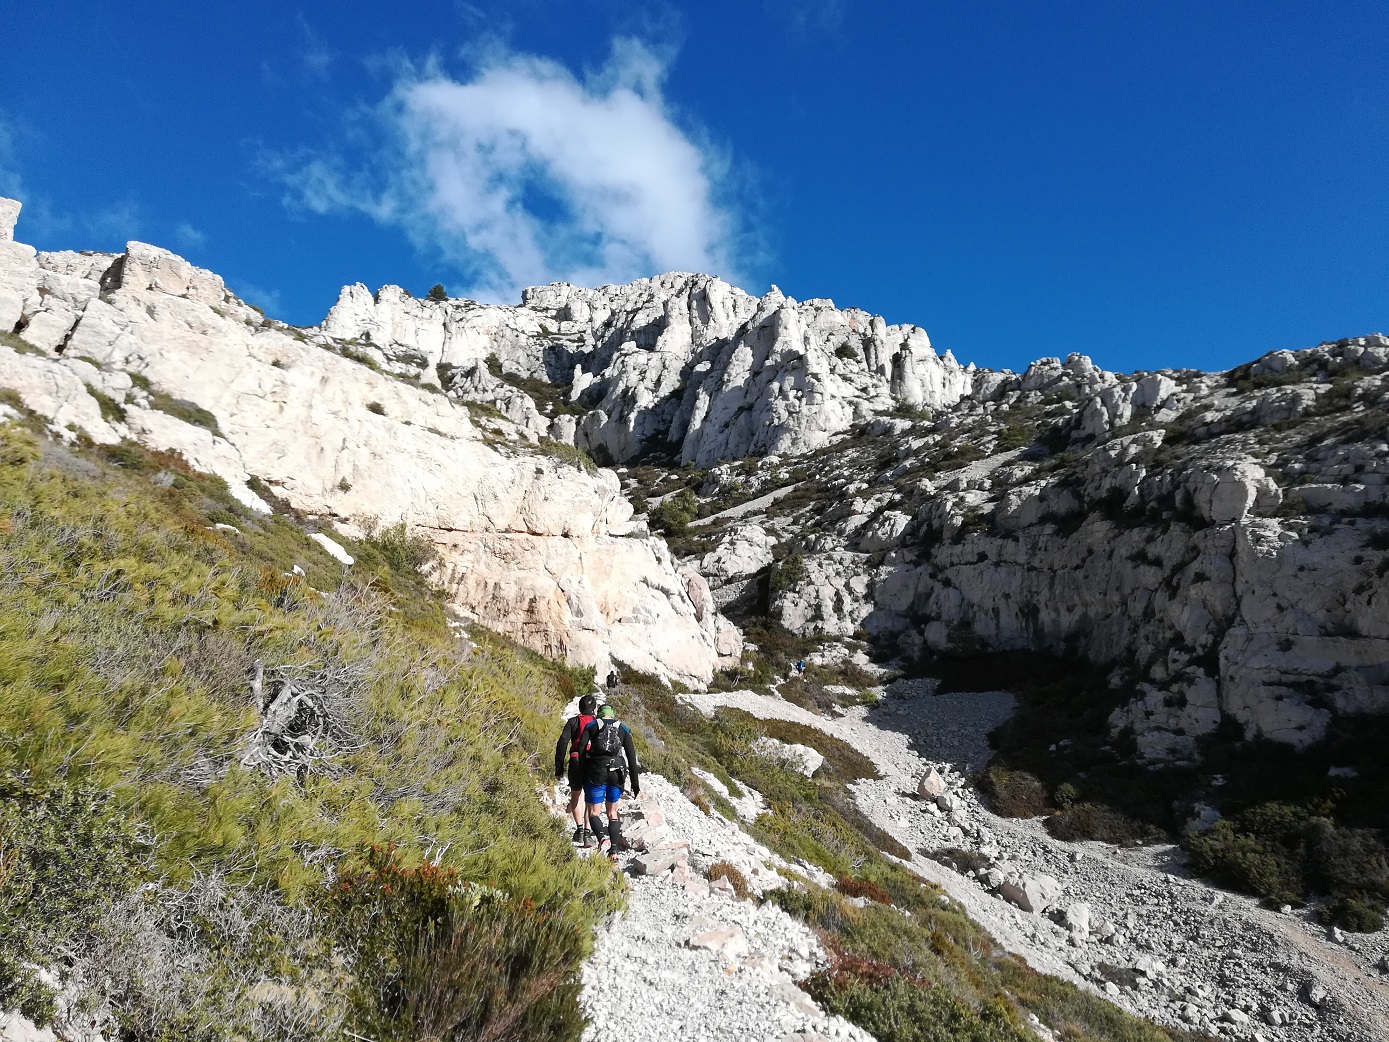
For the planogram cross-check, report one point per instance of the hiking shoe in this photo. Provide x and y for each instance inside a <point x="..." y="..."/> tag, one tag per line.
<point x="605" y="847"/>
<point x="580" y="837"/>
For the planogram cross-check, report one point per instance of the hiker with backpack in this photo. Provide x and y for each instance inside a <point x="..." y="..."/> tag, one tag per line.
<point x="567" y="753"/>
<point x="607" y="761"/>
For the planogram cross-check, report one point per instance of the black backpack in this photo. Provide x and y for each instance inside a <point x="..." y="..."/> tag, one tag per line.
<point x="607" y="738"/>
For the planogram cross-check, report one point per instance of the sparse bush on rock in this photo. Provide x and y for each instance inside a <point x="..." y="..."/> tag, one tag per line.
<point x="1014" y="794"/>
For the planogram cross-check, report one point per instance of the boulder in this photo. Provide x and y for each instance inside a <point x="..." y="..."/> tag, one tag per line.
<point x="931" y="785"/>
<point x="801" y="758"/>
<point x="1034" y="893"/>
<point x="726" y="941"/>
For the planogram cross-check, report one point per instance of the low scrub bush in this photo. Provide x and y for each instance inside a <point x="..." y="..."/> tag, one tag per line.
<point x="575" y="457"/>
<point x="1095" y="821"/>
<point x="1014" y="794"/>
<point x="439" y="958"/>
<point x="961" y="861"/>
<point x="862" y="888"/>
<point x="723" y="870"/>
<point x="898" y="1007"/>
<point x="183" y="409"/>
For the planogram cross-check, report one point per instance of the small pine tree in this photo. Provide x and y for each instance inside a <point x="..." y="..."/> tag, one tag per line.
<point x="437" y="292"/>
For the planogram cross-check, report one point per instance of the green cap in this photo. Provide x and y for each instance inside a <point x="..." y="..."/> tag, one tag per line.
<point x="607" y="712"/>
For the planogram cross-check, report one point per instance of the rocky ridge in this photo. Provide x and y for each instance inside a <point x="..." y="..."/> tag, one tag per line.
<point x="145" y="346"/>
<point x="679" y="363"/>
<point x="1218" y="542"/>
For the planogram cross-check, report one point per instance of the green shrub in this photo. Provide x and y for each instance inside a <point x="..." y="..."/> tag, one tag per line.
<point x="789" y="574"/>
<point x="674" y="513"/>
<point x="562" y="450"/>
<point x="377" y="408"/>
<point x="1356" y="913"/>
<point x="1245" y="862"/>
<point x="846" y="351"/>
<point x="63" y="853"/>
<point x="408" y="555"/>
<point x="1065" y="795"/>
<point x="1014" y="794"/>
<point x="439" y="958"/>
<point x="437" y="293"/>
<point x="112" y="411"/>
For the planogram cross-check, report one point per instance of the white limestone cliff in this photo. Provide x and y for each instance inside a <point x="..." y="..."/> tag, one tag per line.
<point x="532" y="547"/>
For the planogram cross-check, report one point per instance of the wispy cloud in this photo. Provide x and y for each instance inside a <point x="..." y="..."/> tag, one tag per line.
<point x="525" y="174"/>
<point x="115" y="224"/>
<point x="188" y="237"/>
<point x="268" y="300"/>
<point x="315" y="57"/>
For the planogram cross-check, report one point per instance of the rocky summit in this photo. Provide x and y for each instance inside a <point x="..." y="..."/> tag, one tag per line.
<point x="808" y="541"/>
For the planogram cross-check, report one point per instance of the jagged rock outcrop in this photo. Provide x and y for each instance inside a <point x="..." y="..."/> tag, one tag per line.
<point x="1221" y="542"/>
<point x="680" y="363"/>
<point x="145" y="346"/>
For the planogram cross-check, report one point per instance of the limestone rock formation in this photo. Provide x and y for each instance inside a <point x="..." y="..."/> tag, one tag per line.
<point x="683" y="361"/>
<point x="145" y="346"/>
<point x="1218" y="541"/>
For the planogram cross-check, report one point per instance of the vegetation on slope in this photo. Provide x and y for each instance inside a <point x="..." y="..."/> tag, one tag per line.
<point x="182" y="893"/>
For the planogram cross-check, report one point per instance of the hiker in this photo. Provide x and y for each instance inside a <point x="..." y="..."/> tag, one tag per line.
<point x="567" y="751"/>
<point x="606" y="760"/>
<point x="800" y="667"/>
<point x="613" y="680"/>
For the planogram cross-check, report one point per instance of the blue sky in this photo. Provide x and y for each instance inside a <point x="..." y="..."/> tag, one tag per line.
<point x="1153" y="184"/>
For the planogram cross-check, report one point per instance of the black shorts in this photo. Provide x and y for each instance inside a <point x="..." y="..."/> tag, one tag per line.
<point x="576" y="780"/>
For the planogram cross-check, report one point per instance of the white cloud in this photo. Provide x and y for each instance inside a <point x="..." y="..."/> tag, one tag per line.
<point x="188" y="237"/>
<point x="525" y="174"/>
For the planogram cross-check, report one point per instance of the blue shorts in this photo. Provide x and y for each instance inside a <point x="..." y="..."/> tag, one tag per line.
<point x="596" y="794"/>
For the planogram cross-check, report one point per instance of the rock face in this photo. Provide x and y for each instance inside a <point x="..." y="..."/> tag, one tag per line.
<point x="678" y="361"/>
<point x="1219" y="542"/>
<point x="532" y="546"/>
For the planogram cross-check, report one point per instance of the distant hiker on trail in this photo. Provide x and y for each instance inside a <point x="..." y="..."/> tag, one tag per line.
<point x="800" y="667"/>
<point x="613" y="680"/>
<point x="567" y="752"/>
<point x="606" y="760"/>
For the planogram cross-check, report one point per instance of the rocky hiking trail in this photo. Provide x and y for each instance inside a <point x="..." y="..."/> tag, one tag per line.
<point x="1128" y="923"/>
<point x="688" y="960"/>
